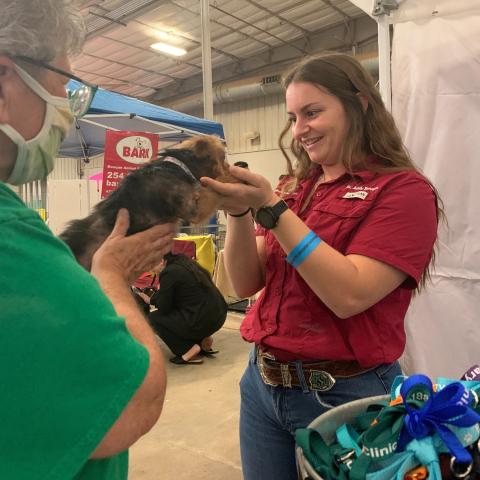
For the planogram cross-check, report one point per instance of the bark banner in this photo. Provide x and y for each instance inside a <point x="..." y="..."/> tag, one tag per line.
<point x="125" y="152"/>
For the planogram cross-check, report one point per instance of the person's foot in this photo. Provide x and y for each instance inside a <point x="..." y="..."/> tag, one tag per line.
<point x="206" y="344"/>
<point x="193" y="352"/>
<point x="207" y="349"/>
<point x="180" y="361"/>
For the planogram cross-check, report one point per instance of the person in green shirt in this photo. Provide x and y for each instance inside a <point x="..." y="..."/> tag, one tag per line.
<point x="81" y="373"/>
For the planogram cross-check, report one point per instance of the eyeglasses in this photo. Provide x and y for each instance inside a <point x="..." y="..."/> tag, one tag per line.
<point x="79" y="98"/>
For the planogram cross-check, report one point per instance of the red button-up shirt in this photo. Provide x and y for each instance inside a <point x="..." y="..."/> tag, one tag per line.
<point x="389" y="217"/>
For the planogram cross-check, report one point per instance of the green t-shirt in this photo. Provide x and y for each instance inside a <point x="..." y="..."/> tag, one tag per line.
<point x="68" y="364"/>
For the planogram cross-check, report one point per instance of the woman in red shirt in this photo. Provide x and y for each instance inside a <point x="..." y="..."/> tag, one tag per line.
<point x="341" y="245"/>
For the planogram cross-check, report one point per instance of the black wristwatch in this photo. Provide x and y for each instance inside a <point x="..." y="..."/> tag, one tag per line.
<point x="268" y="217"/>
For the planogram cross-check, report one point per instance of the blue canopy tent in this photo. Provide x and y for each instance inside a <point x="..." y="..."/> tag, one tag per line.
<point x="113" y="111"/>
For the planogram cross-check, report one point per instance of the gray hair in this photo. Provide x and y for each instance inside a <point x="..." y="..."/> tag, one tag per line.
<point x="40" y="29"/>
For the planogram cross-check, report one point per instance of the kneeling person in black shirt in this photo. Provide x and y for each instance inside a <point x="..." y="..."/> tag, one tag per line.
<point x="190" y="309"/>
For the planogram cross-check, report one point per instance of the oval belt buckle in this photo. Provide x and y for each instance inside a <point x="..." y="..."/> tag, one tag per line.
<point x="321" y="380"/>
<point x="262" y="369"/>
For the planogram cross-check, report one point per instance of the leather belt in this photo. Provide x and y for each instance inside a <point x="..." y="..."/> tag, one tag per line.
<point x="318" y="376"/>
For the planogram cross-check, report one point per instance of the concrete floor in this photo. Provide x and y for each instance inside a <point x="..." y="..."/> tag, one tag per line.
<point x="196" y="436"/>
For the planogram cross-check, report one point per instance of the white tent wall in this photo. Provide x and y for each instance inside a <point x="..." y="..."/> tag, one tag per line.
<point x="436" y="103"/>
<point x="68" y="200"/>
<point x="70" y="195"/>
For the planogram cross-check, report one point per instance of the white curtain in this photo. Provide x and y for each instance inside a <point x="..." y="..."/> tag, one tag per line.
<point x="436" y="103"/>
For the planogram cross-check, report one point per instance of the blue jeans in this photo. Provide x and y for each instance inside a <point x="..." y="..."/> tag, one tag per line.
<point x="269" y="416"/>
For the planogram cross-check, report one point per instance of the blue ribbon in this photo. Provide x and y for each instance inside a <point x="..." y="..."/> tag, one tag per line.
<point x="450" y="406"/>
<point x="418" y="452"/>
<point x="421" y="452"/>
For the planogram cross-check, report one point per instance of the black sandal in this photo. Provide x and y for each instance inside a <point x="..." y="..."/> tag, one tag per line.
<point x="208" y="353"/>
<point x="180" y="361"/>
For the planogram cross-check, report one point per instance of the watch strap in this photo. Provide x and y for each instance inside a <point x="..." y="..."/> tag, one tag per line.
<point x="273" y="212"/>
<point x="280" y="207"/>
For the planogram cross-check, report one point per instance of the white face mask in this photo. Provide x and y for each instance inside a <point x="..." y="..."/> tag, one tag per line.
<point x="35" y="157"/>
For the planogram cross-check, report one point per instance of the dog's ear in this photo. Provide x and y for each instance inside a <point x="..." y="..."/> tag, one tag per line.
<point x="209" y="146"/>
<point x="205" y="146"/>
<point x="209" y="153"/>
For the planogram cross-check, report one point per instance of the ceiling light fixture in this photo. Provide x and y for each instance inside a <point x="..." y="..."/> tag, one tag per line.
<point x="170" y="49"/>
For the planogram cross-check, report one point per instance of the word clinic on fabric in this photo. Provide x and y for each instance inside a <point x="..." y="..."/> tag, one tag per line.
<point x="375" y="452"/>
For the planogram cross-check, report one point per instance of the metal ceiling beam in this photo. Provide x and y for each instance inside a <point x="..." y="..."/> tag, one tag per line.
<point x="136" y="67"/>
<point x="260" y="29"/>
<point x="153" y="72"/>
<point x="125" y="82"/>
<point x="279" y="16"/>
<point x="148" y="7"/>
<point x="337" y="9"/>
<point x="176" y="60"/>
<point x="84" y="4"/>
<point x="216" y="22"/>
<point x="105" y="17"/>
<point x="279" y="57"/>
<point x="192" y="40"/>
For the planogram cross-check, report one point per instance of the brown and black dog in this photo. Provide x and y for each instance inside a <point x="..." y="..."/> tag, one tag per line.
<point x="164" y="190"/>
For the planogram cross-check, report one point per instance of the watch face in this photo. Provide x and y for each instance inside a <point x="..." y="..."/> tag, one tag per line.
<point x="265" y="218"/>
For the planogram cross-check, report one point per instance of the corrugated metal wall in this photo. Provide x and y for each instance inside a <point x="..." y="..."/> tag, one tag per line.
<point x="265" y="115"/>
<point x="66" y="169"/>
<point x="74" y="168"/>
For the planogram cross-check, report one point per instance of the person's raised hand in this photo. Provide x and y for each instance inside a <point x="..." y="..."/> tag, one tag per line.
<point x="130" y="256"/>
<point x="253" y="190"/>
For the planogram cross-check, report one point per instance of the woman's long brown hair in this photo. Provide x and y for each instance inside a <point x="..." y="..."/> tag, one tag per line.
<point x="370" y="132"/>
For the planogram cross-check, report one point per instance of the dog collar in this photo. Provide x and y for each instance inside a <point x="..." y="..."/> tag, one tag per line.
<point x="180" y="164"/>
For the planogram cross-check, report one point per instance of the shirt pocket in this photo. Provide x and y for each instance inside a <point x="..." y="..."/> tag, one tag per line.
<point x="336" y="221"/>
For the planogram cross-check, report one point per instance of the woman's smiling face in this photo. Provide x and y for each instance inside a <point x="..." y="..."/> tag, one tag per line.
<point x="319" y="122"/>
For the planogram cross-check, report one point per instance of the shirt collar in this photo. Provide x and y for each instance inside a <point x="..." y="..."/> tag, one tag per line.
<point x="364" y="174"/>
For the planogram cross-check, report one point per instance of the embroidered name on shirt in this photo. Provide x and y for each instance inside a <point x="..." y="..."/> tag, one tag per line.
<point x="361" y="187"/>
<point x="359" y="194"/>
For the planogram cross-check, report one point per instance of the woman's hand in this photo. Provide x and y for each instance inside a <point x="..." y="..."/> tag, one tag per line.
<point x="130" y="256"/>
<point x="144" y="297"/>
<point x="253" y="190"/>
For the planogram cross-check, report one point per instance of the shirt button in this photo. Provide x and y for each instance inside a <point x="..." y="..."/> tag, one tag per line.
<point x="269" y="329"/>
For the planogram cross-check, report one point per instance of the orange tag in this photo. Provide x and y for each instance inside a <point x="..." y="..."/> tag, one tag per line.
<point x="418" y="473"/>
<point x="396" y="401"/>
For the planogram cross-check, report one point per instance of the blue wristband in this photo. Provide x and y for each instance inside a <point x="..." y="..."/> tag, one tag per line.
<point x="306" y="252"/>
<point x="300" y="246"/>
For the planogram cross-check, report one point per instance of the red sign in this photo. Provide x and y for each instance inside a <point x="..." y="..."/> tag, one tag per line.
<point x="125" y="152"/>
